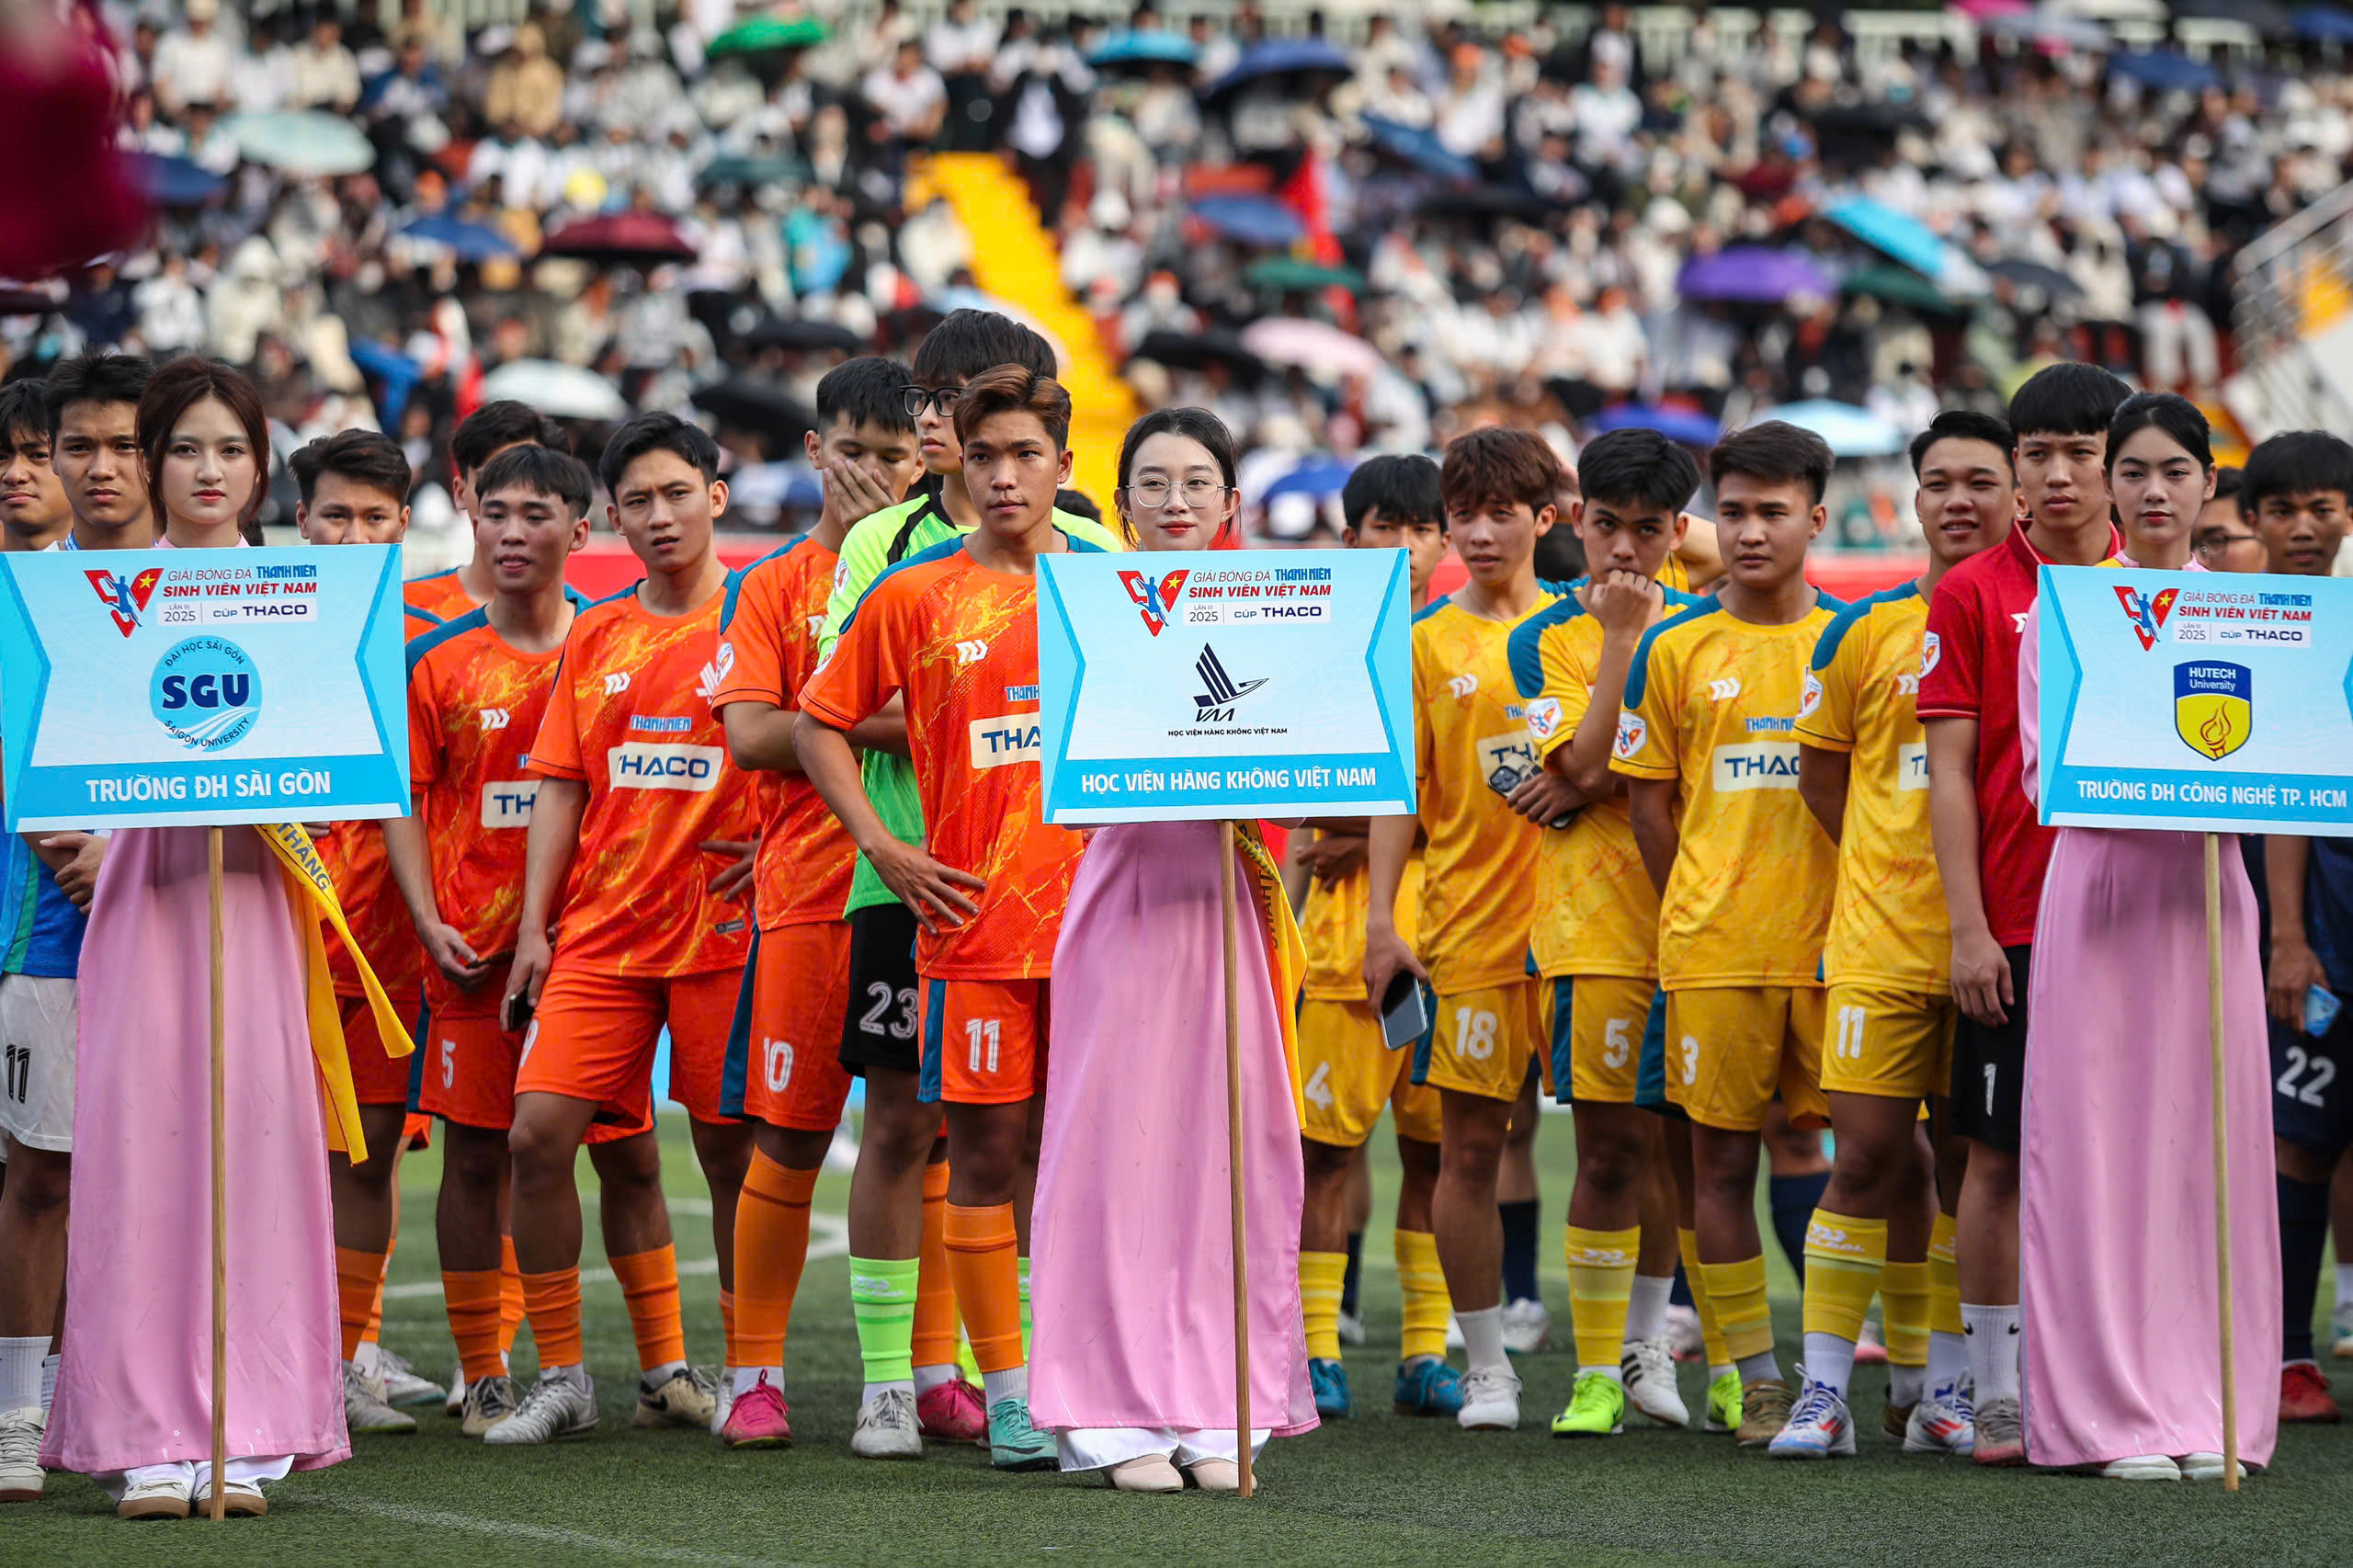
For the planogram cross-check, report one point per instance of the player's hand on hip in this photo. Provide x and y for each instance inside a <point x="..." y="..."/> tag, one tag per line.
<point x="1981" y="979"/>
<point x="933" y="891"/>
<point x="732" y="882"/>
<point x="1385" y="953"/>
<point x="2295" y="970"/>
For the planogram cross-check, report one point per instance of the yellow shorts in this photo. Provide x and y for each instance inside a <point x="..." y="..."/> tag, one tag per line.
<point x="1878" y="1039"/>
<point x="1602" y="1032"/>
<point x="1347" y="1073"/>
<point x="1728" y="1050"/>
<point x="1484" y="1039"/>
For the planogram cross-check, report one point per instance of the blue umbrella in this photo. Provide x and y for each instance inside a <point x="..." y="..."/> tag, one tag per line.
<point x="398" y="374"/>
<point x="2324" y="24"/>
<point x="467" y="240"/>
<point x="1281" y="57"/>
<point x="2164" y="72"/>
<point x="1688" y="426"/>
<point x="1419" y="147"/>
<point x="1906" y="239"/>
<point x="1251" y="220"/>
<point x="175" y="182"/>
<point x="1753" y="274"/>
<point x="1852" y="432"/>
<point x="1153" y="47"/>
<point x="1316" y="477"/>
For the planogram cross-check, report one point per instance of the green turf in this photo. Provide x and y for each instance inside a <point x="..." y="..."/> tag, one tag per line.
<point x="1374" y="1491"/>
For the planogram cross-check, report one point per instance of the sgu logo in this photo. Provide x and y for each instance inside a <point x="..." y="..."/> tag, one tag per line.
<point x="617" y="683"/>
<point x="125" y="598"/>
<point x="206" y="693"/>
<point x="2147" y="615"/>
<point x="1221" y="689"/>
<point x="1152" y="598"/>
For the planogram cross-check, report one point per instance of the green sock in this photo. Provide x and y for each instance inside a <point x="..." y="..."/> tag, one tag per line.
<point x="882" y="1298"/>
<point x="1025" y="1311"/>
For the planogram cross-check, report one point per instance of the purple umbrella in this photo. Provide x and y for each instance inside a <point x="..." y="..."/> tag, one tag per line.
<point x="1755" y="274"/>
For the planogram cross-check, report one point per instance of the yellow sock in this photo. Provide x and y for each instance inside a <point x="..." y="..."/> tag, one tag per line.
<point x="1601" y="1285"/>
<point x="1738" y="1291"/>
<point x="1904" y="1295"/>
<point x="1944" y="1281"/>
<point x="1844" y="1257"/>
<point x="1321" y="1276"/>
<point x="1422" y="1284"/>
<point x="1687" y="1242"/>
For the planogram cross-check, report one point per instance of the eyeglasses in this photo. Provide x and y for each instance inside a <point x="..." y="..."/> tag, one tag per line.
<point x="2213" y="544"/>
<point x="940" y="398"/>
<point x="1197" y="493"/>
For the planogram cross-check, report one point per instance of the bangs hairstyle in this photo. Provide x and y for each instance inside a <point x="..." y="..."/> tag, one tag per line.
<point x="2066" y="400"/>
<point x="869" y="390"/>
<point x="24" y="416"/>
<point x="1965" y="425"/>
<point x="1404" y="489"/>
<point x="1499" y="463"/>
<point x="969" y="342"/>
<point x="503" y="424"/>
<point x="543" y="472"/>
<point x="2295" y="462"/>
<point x="364" y="457"/>
<point x="95" y="378"/>
<point x="2169" y="412"/>
<point x="1193" y="424"/>
<point x="1014" y="389"/>
<point x="1640" y="468"/>
<point x="658" y="433"/>
<point x="1774" y="451"/>
<point x="180" y="386"/>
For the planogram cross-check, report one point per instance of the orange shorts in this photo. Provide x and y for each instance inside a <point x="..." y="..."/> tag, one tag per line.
<point x="469" y="1060"/>
<point x="594" y="1036"/>
<point x="376" y="1078"/>
<point x="784" y="1056"/>
<point x="984" y="1040"/>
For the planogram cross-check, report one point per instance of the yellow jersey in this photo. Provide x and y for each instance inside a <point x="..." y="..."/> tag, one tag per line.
<point x="1889" y="925"/>
<point x="1712" y="703"/>
<point x="1478" y="899"/>
<point x="1596" y="913"/>
<point x="1332" y="924"/>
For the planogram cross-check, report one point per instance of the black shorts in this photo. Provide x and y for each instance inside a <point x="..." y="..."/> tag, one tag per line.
<point x="878" y="1029"/>
<point x="1989" y="1066"/>
<point x="2312" y="1100"/>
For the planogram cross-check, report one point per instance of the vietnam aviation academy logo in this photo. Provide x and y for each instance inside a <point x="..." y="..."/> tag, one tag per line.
<point x="1220" y="690"/>
<point x="125" y="598"/>
<point x="2147" y="615"/>
<point x="206" y="693"/>
<point x="1153" y="599"/>
<point x="2213" y="707"/>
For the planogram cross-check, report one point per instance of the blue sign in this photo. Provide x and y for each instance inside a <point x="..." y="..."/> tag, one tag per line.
<point x="158" y="686"/>
<point x="2197" y="700"/>
<point x="1220" y="684"/>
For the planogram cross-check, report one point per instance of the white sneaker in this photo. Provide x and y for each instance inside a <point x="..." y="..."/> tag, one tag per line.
<point x="1647" y="1369"/>
<point x="2206" y="1467"/>
<point x="1490" y="1401"/>
<point x="685" y="1398"/>
<point x="489" y="1401"/>
<point x="239" y="1499"/>
<point x="2341" y="1323"/>
<point x="159" y="1496"/>
<point x="886" y="1428"/>
<point x="562" y="1404"/>
<point x="454" y="1406"/>
<point x="20" y="1471"/>
<point x="1683" y="1330"/>
<point x="1820" y="1427"/>
<point x="402" y="1387"/>
<point x="1942" y="1424"/>
<point x="365" y="1409"/>
<point x="1351" y="1328"/>
<point x="2147" y="1467"/>
<point x="1526" y="1325"/>
<point x="722" y="1399"/>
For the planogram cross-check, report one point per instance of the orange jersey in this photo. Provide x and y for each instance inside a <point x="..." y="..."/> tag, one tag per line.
<point x="767" y="650"/>
<point x="962" y="642"/>
<point x="473" y="705"/>
<point x="438" y="594"/>
<point x="631" y="716"/>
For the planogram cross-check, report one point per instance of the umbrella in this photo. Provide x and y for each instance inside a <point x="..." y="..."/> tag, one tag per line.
<point x="1311" y="345"/>
<point x="802" y="335"/>
<point x="1752" y="273"/>
<point x="466" y="239"/>
<point x="621" y="239"/>
<point x="1259" y="221"/>
<point x="2163" y="70"/>
<point x="29" y="299"/>
<point x="1189" y="351"/>
<point x="1902" y="286"/>
<point x="1153" y="47"/>
<point x="565" y="392"/>
<point x="1482" y="202"/>
<point x="1688" y="426"/>
<point x="398" y="374"/>
<point x="1318" y="477"/>
<point x="1297" y="57"/>
<point x="301" y="141"/>
<point x="743" y="402"/>
<point x="175" y="182"/>
<point x="1419" y="147"/>
<point x="2266" y="17"/>
<point x="2050" y="27"/>
<point x="762" y="35"/>
<point x="1286" y="273"/>
<point x="2324" y="24"/>
<point x="2053" y="283"/>
<point x="1852" y="432"/>
<point x="747" y="169"/>
<point x="1905" y="238"/>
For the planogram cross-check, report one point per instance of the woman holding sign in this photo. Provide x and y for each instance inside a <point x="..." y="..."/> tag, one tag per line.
<point x="2116" y="1202"/>
<point x="136" y="1391"/>
<point x="1131" y="1277"/>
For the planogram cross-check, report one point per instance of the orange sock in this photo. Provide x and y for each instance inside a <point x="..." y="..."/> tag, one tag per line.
<point x="650" y="1286"/>
<point x="374" y="1334"/>
<point x="358" y="1277"/>
<point x="983" y="1261"/>
<point x="934" y="1341"/>
<point x="473" y="1300"/>
<point x="553" y="1303"/>
<point x="771" y="1246"/>
<point x="510" y="1294"/>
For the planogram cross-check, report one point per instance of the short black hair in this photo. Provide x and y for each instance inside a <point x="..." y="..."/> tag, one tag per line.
<point x="1403" y="488"/>
<point x="1965" y="425"/>
<point x="1641" y="467"/>
<point x="2295" y="462"/>
<point x="869" y="390"/>
<point x="95" y="377"/>
<point x="503" y="424"/>
<point x="658" y="433"/>
<point x="366" y="457"/>
<point x="2228" y="481"/>
<point x="1078" y="504"/>
<point x="1774" y="450"/>
<point x="968" y="343"/>
<point x="24" y="415"/>
<point x="2066" y="400"/>
<point x="536" y="468"/>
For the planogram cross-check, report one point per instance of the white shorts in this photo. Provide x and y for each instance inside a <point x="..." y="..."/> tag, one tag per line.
<point x="36" y="1025"/>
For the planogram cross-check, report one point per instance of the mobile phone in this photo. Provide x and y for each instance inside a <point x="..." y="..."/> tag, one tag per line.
<point x="1405" y="1011"/>
<point x="2320" y="1010"/>
<point x="1505" y="778"/>
<point x="517" y="1014"/>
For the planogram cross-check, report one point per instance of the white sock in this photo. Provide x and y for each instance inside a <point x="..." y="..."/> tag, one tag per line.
<point x="654" y="1377"/>
<point x="1763" y="1366"/>
<point x="20" y="1362"/>
<point x="369" y="1358"/>
<point x="1646" y="1307"/>
<point x="1715" y="1371"/>
<point x="576" y="1374"/>
<point x="1483" y="1339"/>
<point x="49" y="1381"/>
<point x="743" y="1380"/>
<point x="1993" y="1350"/>
<point x="2344" y="1283"/>
<point x="1905" y="1384"/>
<point x="1616" y="1373"/>
<point x="1011" y="1383"/>
<point x="930" y="1378"/>
<point x="874" y="1391"/>
<point x="1829" y="1360"/>
<point x="1948" y="1360"/>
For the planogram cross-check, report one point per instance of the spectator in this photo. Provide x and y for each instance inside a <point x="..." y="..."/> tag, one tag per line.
<point x="323" y="72"/>
<point x="526" y="89"/>
<point x="193" y="62"/>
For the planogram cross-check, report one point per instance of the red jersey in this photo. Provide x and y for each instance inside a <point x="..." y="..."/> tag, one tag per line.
<point x="1968" y="669"/>
<point x="962" y="642"/>
<point x="631" y="716"/>
<point x="767" y="650"/>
